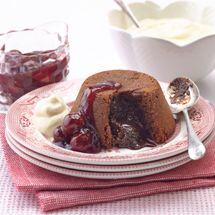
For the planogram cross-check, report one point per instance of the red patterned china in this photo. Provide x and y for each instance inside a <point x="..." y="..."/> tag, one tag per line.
<point x="20" y="126"/>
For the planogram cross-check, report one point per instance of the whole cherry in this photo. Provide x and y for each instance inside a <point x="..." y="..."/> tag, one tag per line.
<point x="72" y="123"/>
<point x="85" y="141"/>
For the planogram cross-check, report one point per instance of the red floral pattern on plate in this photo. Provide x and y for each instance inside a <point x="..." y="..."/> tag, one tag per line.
<point x="105" y="175"/>
<point x="202" y="119"/>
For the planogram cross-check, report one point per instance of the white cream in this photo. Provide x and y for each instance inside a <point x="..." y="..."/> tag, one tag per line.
<point x="177" y="30"/>
<point x="49" y="113"/>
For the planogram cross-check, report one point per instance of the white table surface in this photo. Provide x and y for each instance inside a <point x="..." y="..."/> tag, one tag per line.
<point x="92" y="51"/>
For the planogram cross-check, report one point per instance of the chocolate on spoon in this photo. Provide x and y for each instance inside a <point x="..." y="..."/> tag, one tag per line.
<point x="183" y="94"/>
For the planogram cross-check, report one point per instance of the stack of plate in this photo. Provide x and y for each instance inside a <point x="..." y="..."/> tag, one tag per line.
<point x="29" y="143"/>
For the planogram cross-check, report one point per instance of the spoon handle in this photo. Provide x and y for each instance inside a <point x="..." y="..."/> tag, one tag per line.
<point x="196" y="149"/>
<point x="128" y="12"/>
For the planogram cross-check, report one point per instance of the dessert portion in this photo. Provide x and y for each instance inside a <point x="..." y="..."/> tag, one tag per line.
<point x="118" y="108"/>
<point x="78" y="130"/>
<point x="49" y="113"/>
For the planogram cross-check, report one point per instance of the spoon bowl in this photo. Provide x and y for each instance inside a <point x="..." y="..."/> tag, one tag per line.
<point x="194" y="97"/>
<point x="182" y="95"/>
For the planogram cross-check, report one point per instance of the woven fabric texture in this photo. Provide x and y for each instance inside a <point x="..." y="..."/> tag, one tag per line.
<point x="55" y="191"/>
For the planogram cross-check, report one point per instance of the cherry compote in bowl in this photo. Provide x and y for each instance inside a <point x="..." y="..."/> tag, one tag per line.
<point x="32" y="58"/>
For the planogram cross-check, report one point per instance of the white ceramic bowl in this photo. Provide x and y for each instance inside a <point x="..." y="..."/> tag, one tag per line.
<point x="163" y="59"/>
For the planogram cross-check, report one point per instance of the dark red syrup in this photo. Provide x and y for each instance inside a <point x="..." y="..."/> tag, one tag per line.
<point x="22" y="73"/>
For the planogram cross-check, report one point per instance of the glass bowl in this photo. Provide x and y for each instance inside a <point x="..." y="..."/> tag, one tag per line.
<point x="32" y="58"/>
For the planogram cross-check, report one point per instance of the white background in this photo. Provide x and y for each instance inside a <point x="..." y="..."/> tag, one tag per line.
<point x="91" y="51"/>
<point x="91" y="46"/>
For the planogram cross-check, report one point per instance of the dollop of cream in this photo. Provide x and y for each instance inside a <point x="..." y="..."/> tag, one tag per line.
<point x="178" y="30"/>
<point x="49" y="113"/>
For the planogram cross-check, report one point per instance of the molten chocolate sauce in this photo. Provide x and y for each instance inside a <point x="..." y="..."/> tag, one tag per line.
<point x="127" y="122"/>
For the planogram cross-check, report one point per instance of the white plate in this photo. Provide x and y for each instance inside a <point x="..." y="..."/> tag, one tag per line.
<point x="106" y="168"/>
<point x="20" y="126"/>
<point x="96" y="168"/>
<point x="95" y="175"/>
<point x="103" y="175"/>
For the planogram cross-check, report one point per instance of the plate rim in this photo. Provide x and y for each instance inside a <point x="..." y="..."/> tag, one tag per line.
<point x="99" y="168"/>
<point x="96" y="175"/>
<point x="92" y="175"/>
<point x="80" y="157"/>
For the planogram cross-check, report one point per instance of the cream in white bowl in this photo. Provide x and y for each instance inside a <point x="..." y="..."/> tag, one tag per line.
<point x="180" y="31"/>
<point x="178" y="40"/>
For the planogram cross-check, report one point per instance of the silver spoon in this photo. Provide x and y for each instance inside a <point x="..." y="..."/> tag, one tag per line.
<point x="128" y="12"/>
<point x="183" y="94"/>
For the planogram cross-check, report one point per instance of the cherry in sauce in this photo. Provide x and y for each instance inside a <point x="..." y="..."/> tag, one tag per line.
<point x="22" y="73"/>
<point x="78" y="128"/>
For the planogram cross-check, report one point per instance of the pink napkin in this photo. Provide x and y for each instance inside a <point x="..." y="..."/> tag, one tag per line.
<point x="55" y="191"/>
